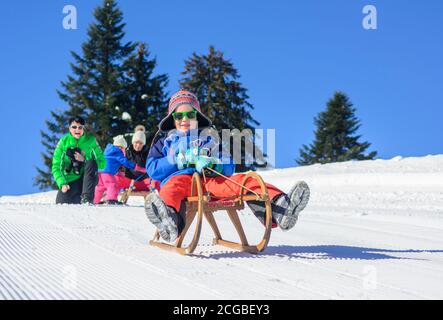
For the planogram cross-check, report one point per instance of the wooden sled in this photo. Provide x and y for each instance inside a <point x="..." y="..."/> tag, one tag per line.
<point x="199" y="205"/>
<point x="131" y="192"/>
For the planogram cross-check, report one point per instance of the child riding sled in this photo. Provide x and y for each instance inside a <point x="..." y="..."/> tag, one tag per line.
<point x="186" y="148"/>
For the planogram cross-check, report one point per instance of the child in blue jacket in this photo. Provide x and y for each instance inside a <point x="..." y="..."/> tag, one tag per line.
<point x="186" y="147"/>
<point x="108" y="182"/>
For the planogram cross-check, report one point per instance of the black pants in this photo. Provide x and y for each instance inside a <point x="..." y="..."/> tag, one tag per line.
<point x="82" y="188"/>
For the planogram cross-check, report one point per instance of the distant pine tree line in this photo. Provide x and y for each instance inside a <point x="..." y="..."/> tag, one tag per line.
<point x="114" y="87"/>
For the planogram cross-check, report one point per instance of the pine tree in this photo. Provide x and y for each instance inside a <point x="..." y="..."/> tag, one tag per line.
<point x="214" y="80"/>
<point x="335" y="139"/>
<point x="49" y="140"/>
<point x="100" y="88"/>
<point x="146" y="92"/>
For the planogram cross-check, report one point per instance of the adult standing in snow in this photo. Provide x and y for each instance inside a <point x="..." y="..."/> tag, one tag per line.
<point x="138" y="153"/>
<point x="75" y="164"/>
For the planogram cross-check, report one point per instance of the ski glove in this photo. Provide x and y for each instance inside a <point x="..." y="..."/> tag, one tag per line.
<point x="208" y="162"/>
<point x="180" y="160"/>
<point x="184" y="159"/>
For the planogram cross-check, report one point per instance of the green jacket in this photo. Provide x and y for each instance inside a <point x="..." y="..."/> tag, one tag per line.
<point x="91" y="150"/>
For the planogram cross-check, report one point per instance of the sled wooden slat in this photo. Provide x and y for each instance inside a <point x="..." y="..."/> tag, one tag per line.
<point x="210" y="218"/>
<point x="237" y="224"/>
<point x="166" y="246"/>
<point x="194" y="199"/>
<point x="124" y="196"/>
<point x="130" y="192"/>
<point x="236" y="246"/>
<point x="199" y="205"/>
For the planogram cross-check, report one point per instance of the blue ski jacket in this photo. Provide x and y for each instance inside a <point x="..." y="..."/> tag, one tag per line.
<point x="161" y="164"/>
<point x="115" y="158"/>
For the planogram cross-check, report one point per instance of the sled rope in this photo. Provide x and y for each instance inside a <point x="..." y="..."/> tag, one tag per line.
<point x="235" y="182"/>
<point x="204" y="179"/>
<point x="139" y="177"/>
<point x="204" y="176"/>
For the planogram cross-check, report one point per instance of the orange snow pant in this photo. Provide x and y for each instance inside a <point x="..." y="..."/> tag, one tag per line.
<point x="178" y="188"/>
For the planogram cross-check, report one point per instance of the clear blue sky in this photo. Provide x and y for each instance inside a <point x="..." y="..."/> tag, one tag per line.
<point x="292" y="56"/>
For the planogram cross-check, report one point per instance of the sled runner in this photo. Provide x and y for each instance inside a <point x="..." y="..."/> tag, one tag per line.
<point x="200" y="204"/>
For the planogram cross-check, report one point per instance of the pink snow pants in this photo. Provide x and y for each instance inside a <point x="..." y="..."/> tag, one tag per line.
<point x="109" y="183"/>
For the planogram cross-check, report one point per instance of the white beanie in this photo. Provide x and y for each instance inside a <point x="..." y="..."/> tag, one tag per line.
<point x="119" y="141"/>
<point x="139" y="136"/>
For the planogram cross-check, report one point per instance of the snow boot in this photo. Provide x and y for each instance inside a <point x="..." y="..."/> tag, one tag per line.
<point x="86" y="200"/>
<point x="113" y="202"/>
<point x="293" y="204"/>
<point x="285" y="208"/>
<point x="168" y="222"/>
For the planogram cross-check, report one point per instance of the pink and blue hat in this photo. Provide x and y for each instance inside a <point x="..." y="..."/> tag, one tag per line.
<point x="178" y="99"/>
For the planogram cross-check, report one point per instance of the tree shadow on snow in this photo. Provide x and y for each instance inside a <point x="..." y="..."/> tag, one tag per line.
<point x="325" y="252"/>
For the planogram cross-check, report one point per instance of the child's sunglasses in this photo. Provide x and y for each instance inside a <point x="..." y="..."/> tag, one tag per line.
<point x="77" y="127"/>
<point x="191" y="115"/>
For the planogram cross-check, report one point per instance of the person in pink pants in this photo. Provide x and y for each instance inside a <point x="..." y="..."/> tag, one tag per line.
<point x="108" y="182"/>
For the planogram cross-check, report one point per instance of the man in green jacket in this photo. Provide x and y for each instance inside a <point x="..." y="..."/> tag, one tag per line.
<point x="75" y="163"/>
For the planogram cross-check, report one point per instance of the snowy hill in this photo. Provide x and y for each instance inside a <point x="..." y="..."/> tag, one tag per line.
<point x="373" y="230"/>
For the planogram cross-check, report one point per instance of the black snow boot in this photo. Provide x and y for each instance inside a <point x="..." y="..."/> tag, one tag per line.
<point x="286" y="207"/>
<point x="113" y="202"/>
<point x="294" y="203"/>
<point x="168" y="222"/>
<point x="86" y="200"/>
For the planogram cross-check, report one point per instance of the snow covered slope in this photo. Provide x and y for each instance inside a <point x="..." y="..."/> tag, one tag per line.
<point x="373" y="230"/>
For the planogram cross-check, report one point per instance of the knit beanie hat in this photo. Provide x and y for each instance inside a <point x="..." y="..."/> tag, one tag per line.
<point x="139" y="136"/>
<point x="120" y="141"/>
<point x="179" y="98"/>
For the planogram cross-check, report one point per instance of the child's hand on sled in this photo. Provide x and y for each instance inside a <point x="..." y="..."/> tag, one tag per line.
<point x="204" y="162"/>
<point x="185" y="158"/>
<point x="65" y="188"/>
<point x="180" y="160"/>
<point x="192" y="155"/>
